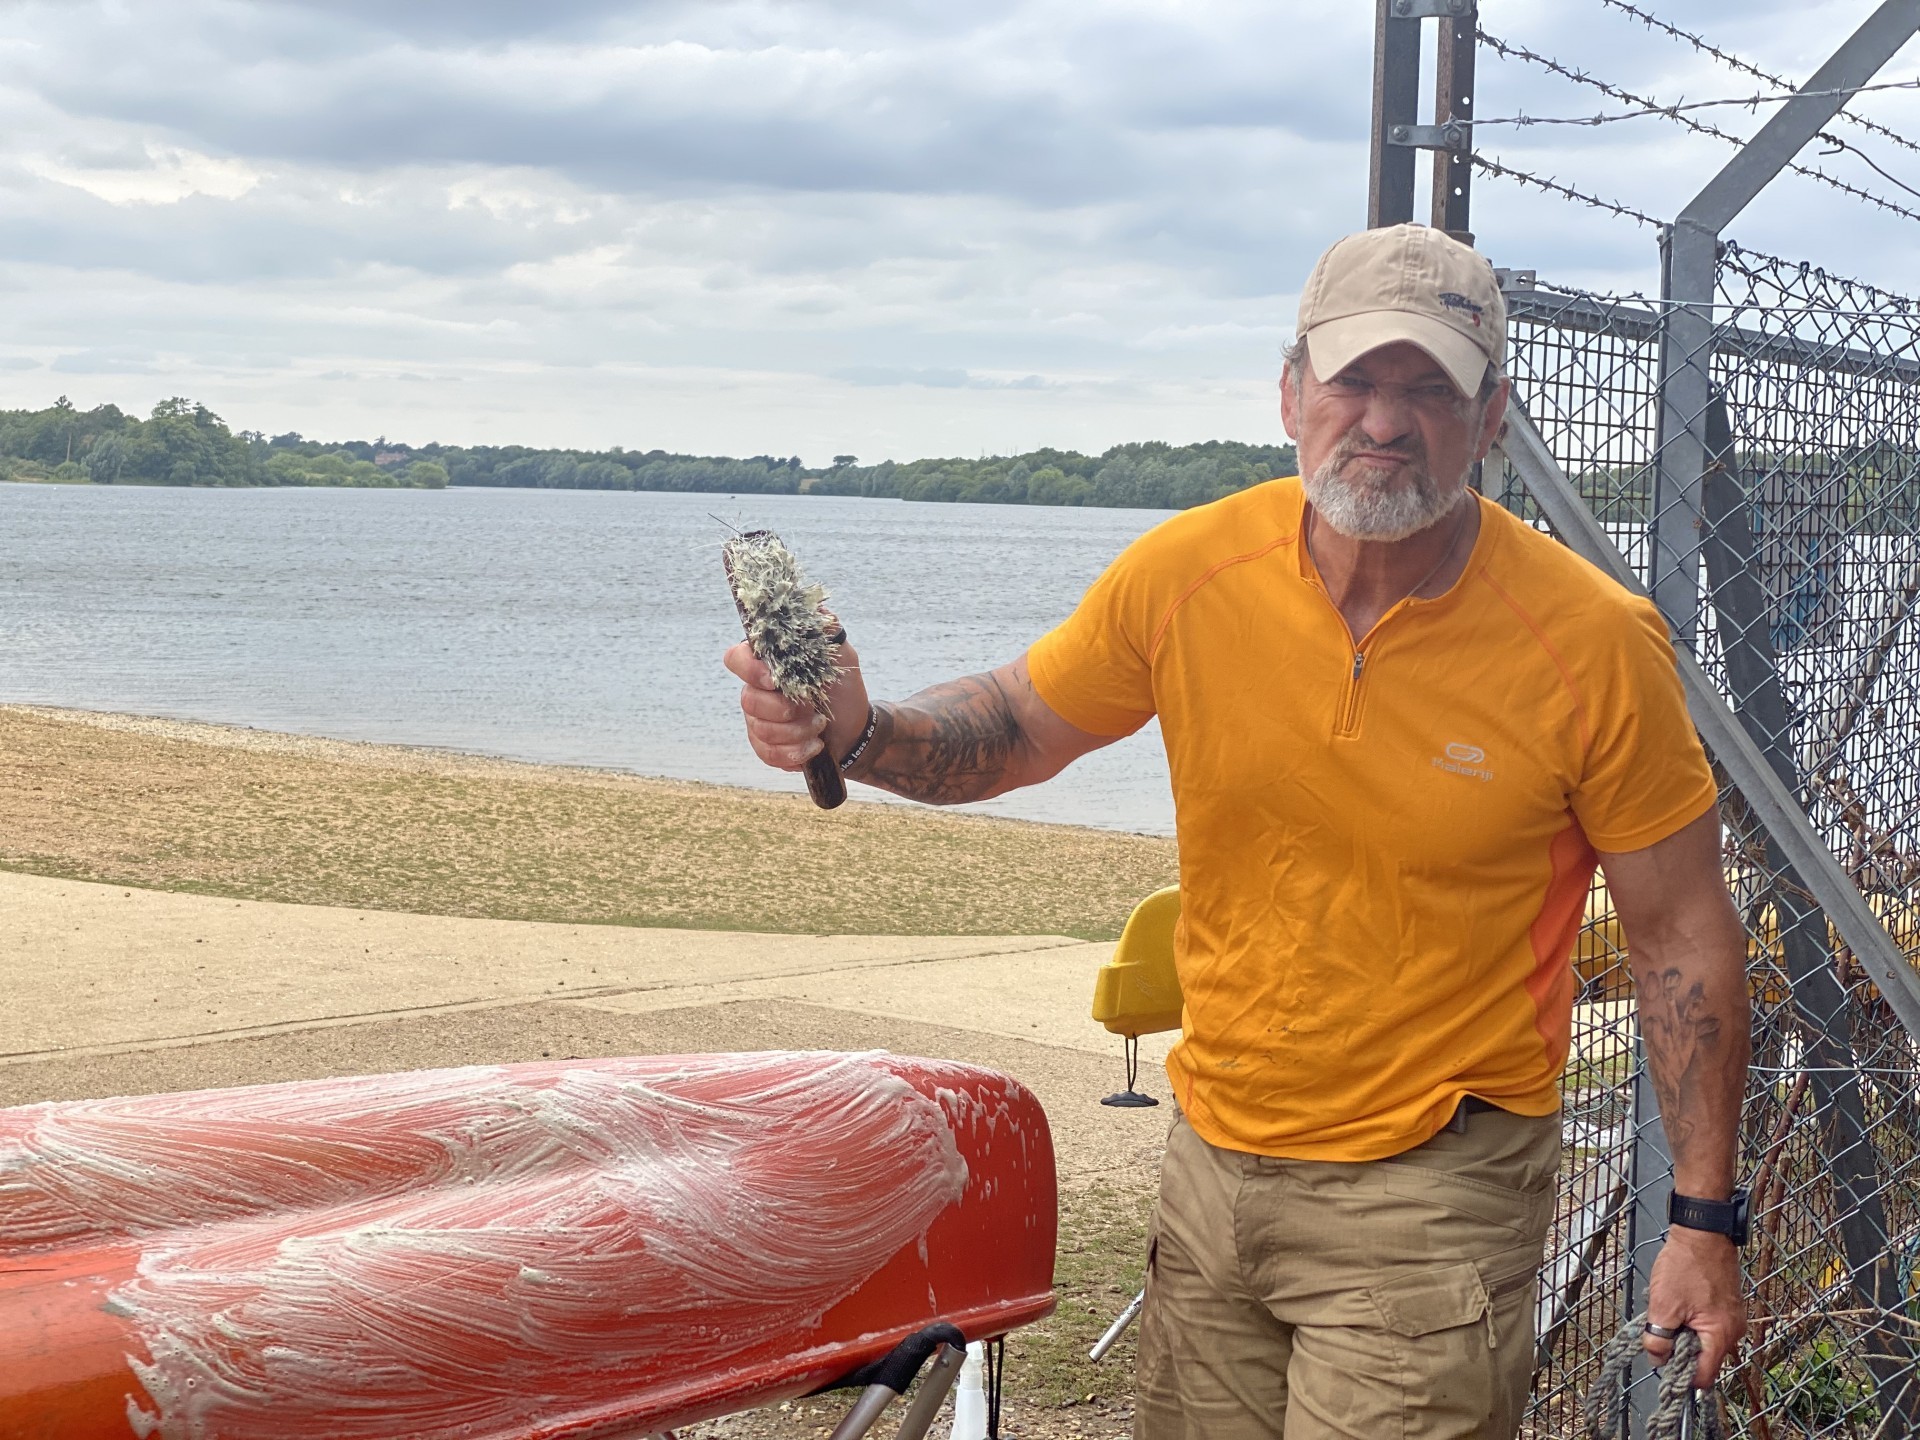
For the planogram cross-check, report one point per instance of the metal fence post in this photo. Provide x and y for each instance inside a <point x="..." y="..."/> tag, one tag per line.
<point x="1453" y="101"/>
<point x="1396" y="101"/>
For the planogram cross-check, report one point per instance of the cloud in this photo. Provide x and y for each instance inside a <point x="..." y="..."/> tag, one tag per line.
<point x="885" y="375"/>
<point x="940" y="379"/>
<point x="946" y="227"/>
<point x="164" y="175"/>
<point x="106" y="362"/>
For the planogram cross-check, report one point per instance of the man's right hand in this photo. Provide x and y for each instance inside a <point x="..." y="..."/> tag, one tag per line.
<point x="786" y="735"/>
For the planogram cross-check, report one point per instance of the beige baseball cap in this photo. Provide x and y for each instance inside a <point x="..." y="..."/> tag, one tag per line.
<point x="1404" y="282"/>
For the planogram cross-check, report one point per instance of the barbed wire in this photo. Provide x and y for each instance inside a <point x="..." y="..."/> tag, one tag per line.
<point x="1751" y="265"/>
<point x="1736" y="62"/>
<point x="1492" y="165"/>
<point x="1742" y="257"/>
<point x="1510" y="51"/>
<point x="1745" y="102"/>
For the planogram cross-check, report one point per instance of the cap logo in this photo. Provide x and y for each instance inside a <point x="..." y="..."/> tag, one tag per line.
<point x="1469" y="309"/>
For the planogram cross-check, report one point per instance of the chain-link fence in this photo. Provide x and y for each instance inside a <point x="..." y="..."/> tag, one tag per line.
<point x="1794" y="554"/>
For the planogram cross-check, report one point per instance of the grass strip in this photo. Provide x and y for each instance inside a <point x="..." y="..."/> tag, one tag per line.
<point x="253" y="815"/>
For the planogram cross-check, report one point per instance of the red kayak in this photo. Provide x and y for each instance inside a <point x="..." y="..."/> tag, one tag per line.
<point x="580" y="1249"/>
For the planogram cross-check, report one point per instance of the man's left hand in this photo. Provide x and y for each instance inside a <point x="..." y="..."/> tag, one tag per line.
<point x="1696" y="1284"/>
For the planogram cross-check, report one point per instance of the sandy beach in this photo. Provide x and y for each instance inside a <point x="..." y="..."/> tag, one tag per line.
<point x="254" y="815"/>
<point x="214" y="906"/>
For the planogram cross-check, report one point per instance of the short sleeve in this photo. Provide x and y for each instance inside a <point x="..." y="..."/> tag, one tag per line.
<point x="1093" y="669"/>
<point x="1646" y="774"/>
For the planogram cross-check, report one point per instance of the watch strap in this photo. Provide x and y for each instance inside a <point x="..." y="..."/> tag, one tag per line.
<point x="1721" y="1217"/>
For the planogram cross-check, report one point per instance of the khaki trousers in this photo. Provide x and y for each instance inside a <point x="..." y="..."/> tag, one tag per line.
<point x="1308" y="1300"/>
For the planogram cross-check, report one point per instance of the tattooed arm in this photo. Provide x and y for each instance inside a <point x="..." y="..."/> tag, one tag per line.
<point x="1688" y="954"/>
<point x="968" y="739"/>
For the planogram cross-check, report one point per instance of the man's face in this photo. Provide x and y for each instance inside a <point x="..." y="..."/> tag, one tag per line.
<point x="1386" y="444"/>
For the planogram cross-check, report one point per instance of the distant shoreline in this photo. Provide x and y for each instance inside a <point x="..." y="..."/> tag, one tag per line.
<point x="184" y="443"/>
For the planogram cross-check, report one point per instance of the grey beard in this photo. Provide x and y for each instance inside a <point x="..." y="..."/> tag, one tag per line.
<point x="1362" y="508"/>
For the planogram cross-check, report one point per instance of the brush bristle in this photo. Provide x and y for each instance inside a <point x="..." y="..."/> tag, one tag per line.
<point x="781" y="610"/>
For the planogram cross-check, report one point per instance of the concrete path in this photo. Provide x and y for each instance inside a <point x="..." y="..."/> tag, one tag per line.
<point x="116" y="991"/>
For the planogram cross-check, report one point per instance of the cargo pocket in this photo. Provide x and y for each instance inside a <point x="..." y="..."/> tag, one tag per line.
<point x="1430" y="1300"/>
<point x="1442" y="1334"/>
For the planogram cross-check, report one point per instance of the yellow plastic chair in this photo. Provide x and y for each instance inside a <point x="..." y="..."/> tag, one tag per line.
<point x="1137" y="991"/>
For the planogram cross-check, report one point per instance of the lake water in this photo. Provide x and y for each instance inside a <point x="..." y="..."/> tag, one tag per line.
<point x="572" y="627"/>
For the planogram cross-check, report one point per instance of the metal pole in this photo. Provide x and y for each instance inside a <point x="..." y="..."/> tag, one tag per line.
<point x="935" y="1385"/>
<point x="1650" y="1184"/>
<point x="1690" y="267"/>
<point x="1396" y="102"/>
<point x="1453" y="101"/>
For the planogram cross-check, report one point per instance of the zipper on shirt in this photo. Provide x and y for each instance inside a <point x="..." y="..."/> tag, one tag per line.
<point x="1349" y="723"/>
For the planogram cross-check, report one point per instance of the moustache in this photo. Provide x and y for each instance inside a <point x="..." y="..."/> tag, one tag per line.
<point x="1351" y="445"/>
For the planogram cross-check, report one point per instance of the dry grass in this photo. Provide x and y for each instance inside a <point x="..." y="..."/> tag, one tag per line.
<point x="253" y="815"/>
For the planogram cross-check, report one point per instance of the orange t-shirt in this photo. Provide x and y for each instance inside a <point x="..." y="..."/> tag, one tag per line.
<point x="1384" y="849"/>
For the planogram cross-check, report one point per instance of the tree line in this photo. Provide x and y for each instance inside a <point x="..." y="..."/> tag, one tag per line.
<point x="184" y="443"/>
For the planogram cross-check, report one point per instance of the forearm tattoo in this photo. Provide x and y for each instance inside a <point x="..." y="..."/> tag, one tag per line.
<point x="949" y="744"/>
<point x="1697" y="1060"/>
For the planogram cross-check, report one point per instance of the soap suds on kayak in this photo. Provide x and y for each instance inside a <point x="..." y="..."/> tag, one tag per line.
<point x="441" y="1253"/>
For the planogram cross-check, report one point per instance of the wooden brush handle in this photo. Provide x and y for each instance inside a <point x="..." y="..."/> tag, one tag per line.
<point x="824" y="783"/>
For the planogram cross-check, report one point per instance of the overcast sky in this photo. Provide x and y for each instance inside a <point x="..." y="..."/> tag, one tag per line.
<point x="884" y="227"/>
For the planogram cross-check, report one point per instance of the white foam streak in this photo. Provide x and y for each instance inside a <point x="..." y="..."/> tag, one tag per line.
<point x="452" y="1252"/>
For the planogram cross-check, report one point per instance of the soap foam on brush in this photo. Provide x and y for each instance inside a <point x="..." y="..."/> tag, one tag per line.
<point x="782" y="612"/>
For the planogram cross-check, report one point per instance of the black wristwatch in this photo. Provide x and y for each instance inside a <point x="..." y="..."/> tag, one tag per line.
<point x="1722" y="1217"/>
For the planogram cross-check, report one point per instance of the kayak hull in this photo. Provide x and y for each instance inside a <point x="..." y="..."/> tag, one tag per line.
<point x="585" y="1249"/>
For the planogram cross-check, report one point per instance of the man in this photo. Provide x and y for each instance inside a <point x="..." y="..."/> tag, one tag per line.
<point x="1401" y="726"/>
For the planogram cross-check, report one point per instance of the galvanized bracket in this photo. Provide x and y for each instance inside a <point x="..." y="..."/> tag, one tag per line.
<point x="1435" y="10"/>
<point x="1454" y="135"/>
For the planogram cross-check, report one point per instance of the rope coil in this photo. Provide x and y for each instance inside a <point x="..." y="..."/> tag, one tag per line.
<point x="1675" y="1401"/>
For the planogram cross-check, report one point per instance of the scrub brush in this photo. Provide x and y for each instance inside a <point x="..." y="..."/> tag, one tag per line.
<point x="797" y="640"/>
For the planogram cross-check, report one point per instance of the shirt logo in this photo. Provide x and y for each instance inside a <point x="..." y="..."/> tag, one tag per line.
<point x="1469" y="310"/>
<point x="1465" y="760"/>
